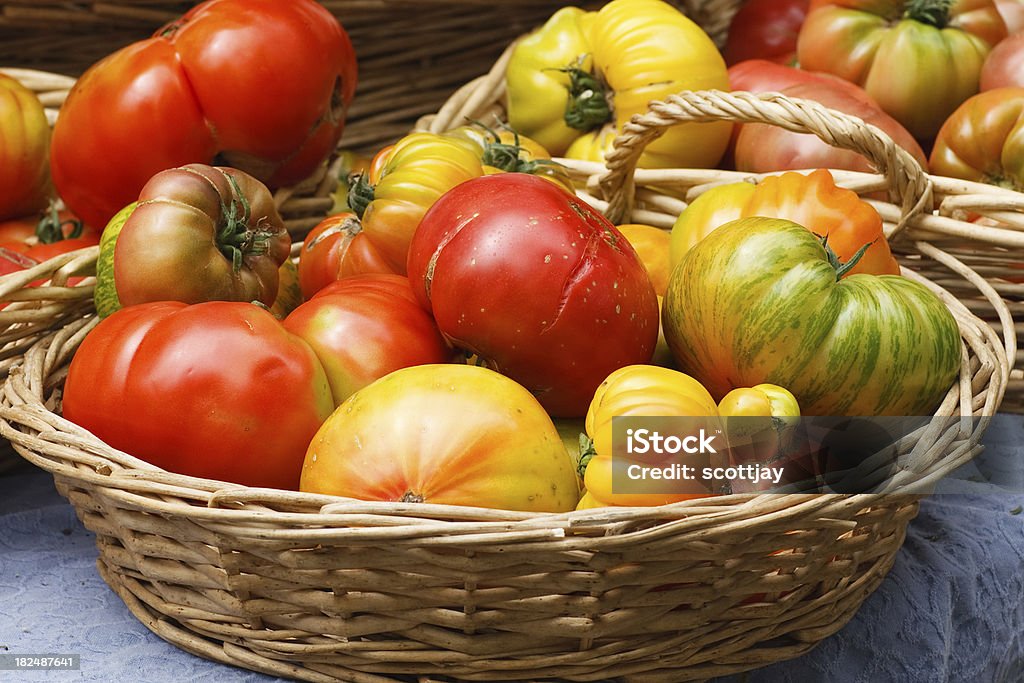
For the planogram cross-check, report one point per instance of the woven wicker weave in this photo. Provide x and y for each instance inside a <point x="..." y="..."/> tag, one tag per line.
<point x="325" y="589"/>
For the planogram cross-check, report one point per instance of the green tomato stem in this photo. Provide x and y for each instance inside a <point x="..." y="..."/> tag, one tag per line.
<point x="588" y="107"/>
<point x="360" y="194"/>
<point x="236" y="239"/>
<point x="843" y="268"/>
<point x="587" y="453"/>
<point x="51" y="228"/>
<point x="931" y="12"/>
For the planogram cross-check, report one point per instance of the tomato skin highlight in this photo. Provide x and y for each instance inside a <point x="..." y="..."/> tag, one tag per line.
<point x="526" y="276"/>
<point x="217" y="390"/>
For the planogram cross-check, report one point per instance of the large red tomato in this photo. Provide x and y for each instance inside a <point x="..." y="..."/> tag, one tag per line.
<point x="218" y="390"/>
<point x="765" y="29"/>
<point x="537" y="284"/>
<point x="260" y="85"/>
<point x="365" y="326"/>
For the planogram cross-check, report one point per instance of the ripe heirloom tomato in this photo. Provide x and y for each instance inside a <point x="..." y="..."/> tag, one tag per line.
<point x="982" y="140"/>
<point x="813" y="200"/>
<point x="919" y="59"/>
<point x="537" y="284"/>
<point x="763" y="148"/>
<point x="641" y="391"/>
<point x="443" y="434"/>
<point x="365" y="326"/>
<point x="758" y="421"/>
<point x="1004" y="66"/>
<point x="200" y="233"/>
<point x="24" y="155"/>
<point x="652" y="246"/>
<point x="218" y="390"/>
<point x="259" y="85"/>
<point x="331" y="252"/>
<point x="582" y="70"/>
<point x="761" y="300"/>
<point x="765" y="29"/>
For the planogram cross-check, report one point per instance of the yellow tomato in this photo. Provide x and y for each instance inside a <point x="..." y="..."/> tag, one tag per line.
<point x="583" y="70"/>
<point x="447" y="434"/>
<point x="713" y="208"/>
<point x="652" y="246"/>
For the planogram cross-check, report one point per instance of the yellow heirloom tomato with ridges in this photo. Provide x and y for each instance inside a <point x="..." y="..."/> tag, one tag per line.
<point x="583" y="70"/>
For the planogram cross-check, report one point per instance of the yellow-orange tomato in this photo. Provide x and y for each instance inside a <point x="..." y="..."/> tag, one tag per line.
<point x="813" y="201"/>
<point x="24" y="155"/>
<point x="588" y="502"/>
<point x="647" y="391"/>
<point x="446" y="434"/>
<point x="652" y="245"/>
<point x="758" y="420"/>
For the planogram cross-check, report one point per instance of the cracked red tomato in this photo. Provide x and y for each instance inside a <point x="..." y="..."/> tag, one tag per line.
<point x="259" y="85"/>
<point x="535" y="283"/>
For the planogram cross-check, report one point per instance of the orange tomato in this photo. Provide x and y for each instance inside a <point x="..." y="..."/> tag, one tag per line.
<point x="652" y="246"/>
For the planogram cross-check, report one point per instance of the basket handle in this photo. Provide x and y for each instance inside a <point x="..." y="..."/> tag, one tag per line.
<point x="909" y="186"/>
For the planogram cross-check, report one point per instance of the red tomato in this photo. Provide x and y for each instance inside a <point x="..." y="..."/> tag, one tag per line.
<point x="760" y="75"/>
<point x="330" y="251"/>
<point x="765" y="29"/>
<point x="1004" y="66"/>
<point x="981" y="141"/>
<point x="218" y="390"/>
<point x="365" y="326"/>
<point x="261" y="85"/>
<point x="762" y="148"/>
<point x="537" y="284"/>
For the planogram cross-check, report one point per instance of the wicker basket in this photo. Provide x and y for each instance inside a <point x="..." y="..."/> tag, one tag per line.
<point x="321" y="588"/>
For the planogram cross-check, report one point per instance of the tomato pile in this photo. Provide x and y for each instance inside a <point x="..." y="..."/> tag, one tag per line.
<point x="464" y="328"/>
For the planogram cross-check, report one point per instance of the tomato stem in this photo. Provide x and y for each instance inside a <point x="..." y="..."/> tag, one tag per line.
<point x="932" y="12"/>
<point x="843" y="268"/>
<point x="236" y="239"/>
<point x="50" y="228"/>
<point x="588" y="107"/>
<point x="587" y="453"/>
<point x="509" y="157"/>
<point x="360" y="194"/>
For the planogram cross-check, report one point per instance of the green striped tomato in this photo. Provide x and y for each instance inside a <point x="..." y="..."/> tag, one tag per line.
<point x="759" y="301"/>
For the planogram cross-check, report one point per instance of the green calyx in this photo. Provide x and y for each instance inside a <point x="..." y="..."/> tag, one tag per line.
<point x="236" y="239"/>
<point x="931" y="12"/>
<point x="509" y="157"/>
<point x="51" y="228"/>
<point x="843" y="268"/>
<point x="587" y="453"/>
<point x="360" y="193"/>
<point x="588" y="106"/>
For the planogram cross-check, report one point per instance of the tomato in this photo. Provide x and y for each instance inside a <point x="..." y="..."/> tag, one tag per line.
<point x="289" y="293"/>
<point x="404" y="180"/>
<point x="365" y="326"/>
<point x="982" y="141"/>
<point x="652" y="246"/>
<point x="24" y="162"/>
<point x="641" y="391"/>
<point x="259" y="85"/>
<point x="218" y="390"/>
<point x="200" y="233"/>
<point x="762" y="148"/>
<point x="760" y="300"/>
<point x="582" y="70"/>
<point x="761" y="75"/>
<point x="443" y="434"/>
<point x="813" y="200"/>
<point x="765" y="29"/>
<point x="350" y="166"/>
<point x="537" y="284"/>
<point x="919" y="59"/>
<point x="331" y="251"/>
<point x="1004" y="66"/>
<point x="758" y="421"/>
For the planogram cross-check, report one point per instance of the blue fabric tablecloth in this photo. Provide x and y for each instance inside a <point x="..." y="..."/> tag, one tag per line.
<point x="951" y="609"/>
